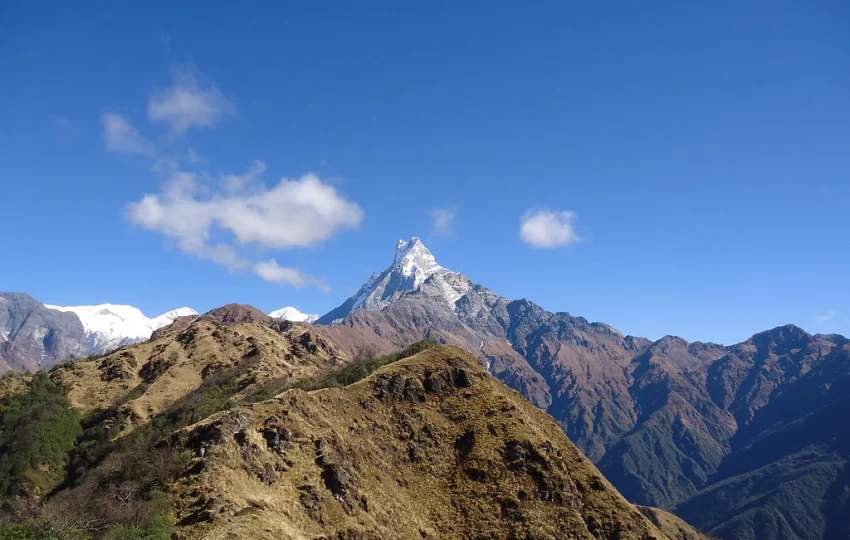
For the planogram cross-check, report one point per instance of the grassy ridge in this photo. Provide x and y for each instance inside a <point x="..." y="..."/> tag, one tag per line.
<point x="47" y="447"/>
<point x="357" y="369"/>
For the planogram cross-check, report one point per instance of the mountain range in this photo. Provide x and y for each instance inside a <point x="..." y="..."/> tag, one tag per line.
<point x="735" y="438"/>
<point x="38" y="336"/>
<point x="742" y="441"/>
<point x="237" y="425"/>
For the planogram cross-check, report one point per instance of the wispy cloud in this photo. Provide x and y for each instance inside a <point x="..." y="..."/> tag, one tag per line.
<point x="271" y="271"/>
<point x="120" y="136"/>
<point x="826" y="317"/>
<point x="240" y="212"/>
<point x="193" y="158"/>
<point x="247" y="181"/>
<point x="188" y="103"/>
<point x="549" y="228"/>
<point x="443" y="221"/>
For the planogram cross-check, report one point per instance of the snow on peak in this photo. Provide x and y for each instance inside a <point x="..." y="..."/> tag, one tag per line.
<point x="290" y="313"/>
<point x="109" y="326"/>
<point x="414" y="258"/>
<point x="412" y="266"/>
<point x="170" y="316"/>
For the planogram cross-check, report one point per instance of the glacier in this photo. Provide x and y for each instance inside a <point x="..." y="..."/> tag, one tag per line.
<point x="109" y="326"/>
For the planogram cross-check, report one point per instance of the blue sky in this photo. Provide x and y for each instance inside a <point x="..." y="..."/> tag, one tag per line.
<point x="681" y="169"/>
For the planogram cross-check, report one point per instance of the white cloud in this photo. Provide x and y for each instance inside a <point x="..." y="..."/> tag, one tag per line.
<point x="549" y="229"/>
<point x="295" y="213"/>
<point x="444" y="220"/>
<point x="235" y="183"/>
<point x="187" y="104"/>
<point x="119" y="135"/>
<point x="826" y="317"/>
<point x="192" y="158"/>
<point x="271" y="271"/>
<point x="170" y="164"/>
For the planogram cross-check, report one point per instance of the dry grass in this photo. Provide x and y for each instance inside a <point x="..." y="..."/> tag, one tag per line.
<point x="427" y="447"/>
<point x="146" y="379"/>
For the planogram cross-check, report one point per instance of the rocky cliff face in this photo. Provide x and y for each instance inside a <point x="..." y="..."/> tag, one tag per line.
<point x="33" y="337"/>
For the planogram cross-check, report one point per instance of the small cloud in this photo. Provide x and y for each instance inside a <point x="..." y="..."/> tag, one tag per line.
<point x="549" y="229"/>
<point x="120" y="136"/>
<point x="188" y="103"/>
<point x="826" y="317"/>
<point x="444" y="220"/>
<point x="271" y="271"/>
<point x="164" y="165"/>
<point x="171" y="164"/>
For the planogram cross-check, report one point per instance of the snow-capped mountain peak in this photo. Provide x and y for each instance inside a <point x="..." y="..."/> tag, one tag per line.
<point x="413" y="265"/>
<point x="290" y="313"/>
<point x="109" y="326"/>
<point x="414" y="259"/>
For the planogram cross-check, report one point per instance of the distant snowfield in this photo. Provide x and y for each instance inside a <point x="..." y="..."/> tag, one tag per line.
<point x="109" y="326"/>
<point x="290" y="313"/>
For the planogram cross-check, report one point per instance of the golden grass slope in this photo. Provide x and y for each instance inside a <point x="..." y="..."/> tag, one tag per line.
<point x="428" y="447"/>
<point x="673" y="527"/>
<point x="147" y="378"/>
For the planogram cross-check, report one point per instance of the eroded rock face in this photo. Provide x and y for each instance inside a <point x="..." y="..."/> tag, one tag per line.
<point x="33" y="337"/>
<point x="428" y="447"/>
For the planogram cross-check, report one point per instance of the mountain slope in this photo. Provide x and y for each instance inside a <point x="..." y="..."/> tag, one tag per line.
<point x="33" y="337"/>
<point x="202" y="432"/>
<point x="239" y="343"/>
<point x="469" y="459"/>
<point x="789" y="473"/>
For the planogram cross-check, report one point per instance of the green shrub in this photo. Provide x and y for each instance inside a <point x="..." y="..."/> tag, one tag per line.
<point x="37" y="430"/>
<point x="160" y="528"/>
<point x="36" y="530"/>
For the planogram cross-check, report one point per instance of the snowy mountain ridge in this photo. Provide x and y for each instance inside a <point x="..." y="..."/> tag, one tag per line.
<point x="109" y="326"/>
<point x="290" y="313"/>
